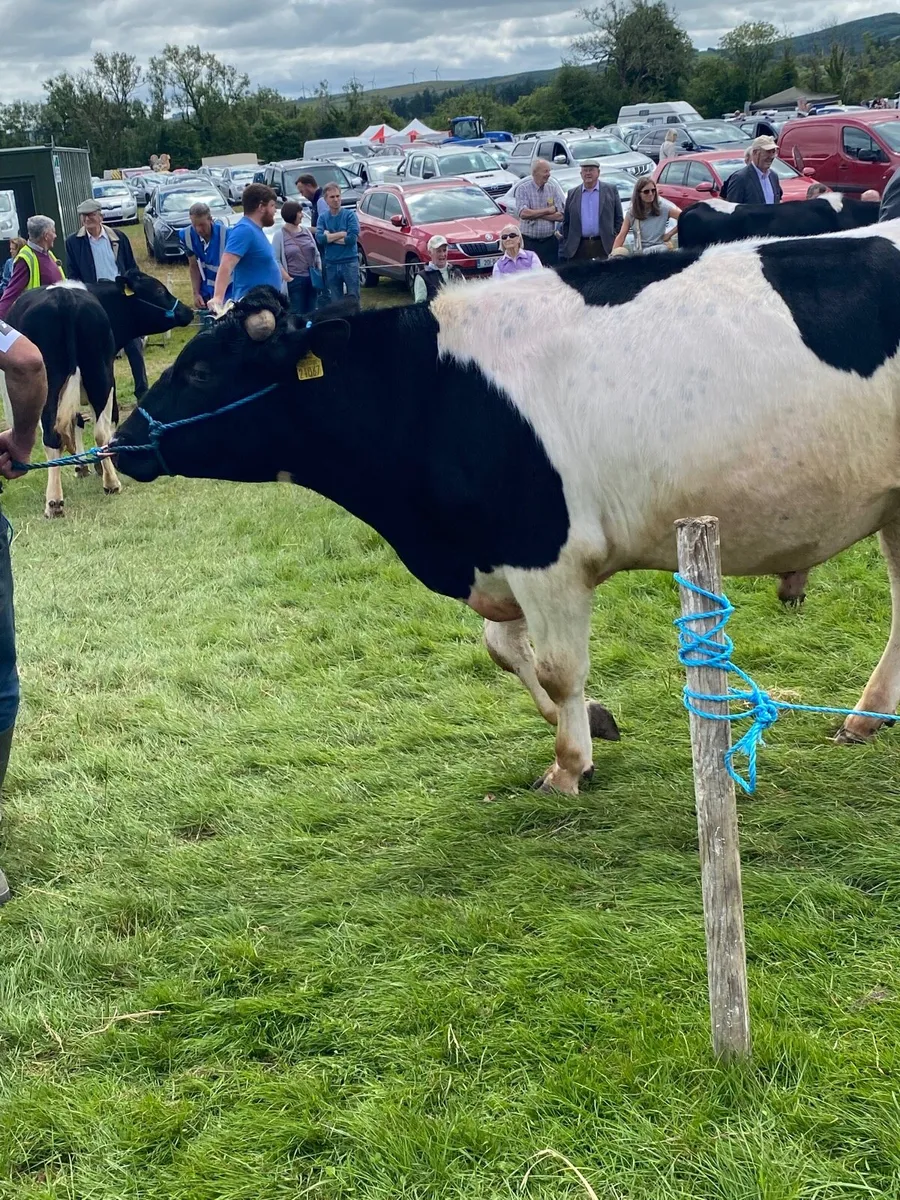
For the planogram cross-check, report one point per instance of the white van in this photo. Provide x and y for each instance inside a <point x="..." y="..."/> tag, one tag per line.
<point x="359" y="146"/>
<point x="668" y="112"/>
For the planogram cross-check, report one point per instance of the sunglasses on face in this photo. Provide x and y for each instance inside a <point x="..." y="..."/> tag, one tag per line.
<point x="508" y="237"/>
<point x="648" y="191"/>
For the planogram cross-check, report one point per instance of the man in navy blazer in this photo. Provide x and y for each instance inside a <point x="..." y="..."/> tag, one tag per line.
<point x="756" y="183"/>
<point x="98" y="252"/>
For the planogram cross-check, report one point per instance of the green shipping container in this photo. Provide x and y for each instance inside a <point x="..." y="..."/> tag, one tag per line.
<point x="50" y="180"/>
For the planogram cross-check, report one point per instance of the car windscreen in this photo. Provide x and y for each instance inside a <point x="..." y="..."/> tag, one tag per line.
<point x="380" y="168"/>
<point x="624" y="184"/>
<point x="177" y="202"/>
<point x="111" y="189"/>
<point x="450" y="204"/>
<point x="243" y="173"/>
<point x="467" y="164"/>
<point x="889" y="132"/>
<point x="322" y="173"/>
<point x="715" y="135"/>
<point x="598" y="148"/>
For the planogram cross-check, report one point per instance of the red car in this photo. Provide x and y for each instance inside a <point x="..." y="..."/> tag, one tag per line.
<point x="691" y="177"/>
<point x="397" y="219"/>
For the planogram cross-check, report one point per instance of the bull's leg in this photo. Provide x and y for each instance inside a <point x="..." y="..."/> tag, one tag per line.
<point x="54" y="504"/>
<point x="882" y="692"/>
<point x="792" y="588"/>
<point x="509" y="646"/>
<point x="557" y="608"/>
<point x="104" y="430"/>
<point x="83" y="470"/>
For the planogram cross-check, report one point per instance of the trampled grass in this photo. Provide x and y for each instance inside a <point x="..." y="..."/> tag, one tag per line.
<point x="289" y="921"/>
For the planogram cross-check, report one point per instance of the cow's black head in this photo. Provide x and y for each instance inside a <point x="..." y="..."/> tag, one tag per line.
<point x="257" y="345"/>
<point x="141" y="304"/>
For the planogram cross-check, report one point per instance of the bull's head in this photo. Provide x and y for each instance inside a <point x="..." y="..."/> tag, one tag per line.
<point x="156" y="309"/>
<point x="257" y="347"/>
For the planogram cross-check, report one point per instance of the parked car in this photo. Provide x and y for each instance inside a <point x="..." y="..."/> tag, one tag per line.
<point x="851" y="152"/>
<point x="692" y="177"/>
<point x="282" y="178"/>
<point x="117" y="201"/>
<point x="469" y="163"/>
<point x="382" y="169"/>
<point x="351" y="163"/>
<point x="691" y="138"/>
<point x="234" y="180"/>
<point x="168" y="210"/>
<point x="569" y="152"/>
<point x="146" y="185"/>
<point x="621" y="131"/>
<point x="755" y="127"/>
<point x="499" y="152"/>
<point x="397" y="219"/>
<point x="9" y="217"/>
<point x="666" y="112"/>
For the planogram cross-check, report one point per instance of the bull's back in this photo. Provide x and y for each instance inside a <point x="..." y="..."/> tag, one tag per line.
<point x="67" y="324"/>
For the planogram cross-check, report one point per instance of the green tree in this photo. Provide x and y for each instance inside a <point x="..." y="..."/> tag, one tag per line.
<point x="640" y="45"/>
<point x="715" y="87"/>
<point x="751" y="47"/>
<point x="836" y="69"/>
<point x="207" y="94"/>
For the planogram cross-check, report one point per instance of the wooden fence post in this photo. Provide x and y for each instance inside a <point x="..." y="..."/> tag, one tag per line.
<point x="717" y="827"/>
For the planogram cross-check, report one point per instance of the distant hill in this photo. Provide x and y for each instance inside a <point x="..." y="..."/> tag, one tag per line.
<point x="439" y="86"/>
<point x="850" y="34"/>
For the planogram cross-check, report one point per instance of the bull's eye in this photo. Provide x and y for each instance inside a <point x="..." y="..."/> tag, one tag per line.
<point x="200" y="374"/>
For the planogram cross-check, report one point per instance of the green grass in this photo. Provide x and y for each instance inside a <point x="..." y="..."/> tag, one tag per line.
<point x="289" y="922"/>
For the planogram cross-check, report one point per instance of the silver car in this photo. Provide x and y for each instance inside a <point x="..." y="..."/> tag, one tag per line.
<point x="571" y="151"/>
<point x="117" y="201"/>
<point x="9" y="217"/>
<point x="472" y="164"/>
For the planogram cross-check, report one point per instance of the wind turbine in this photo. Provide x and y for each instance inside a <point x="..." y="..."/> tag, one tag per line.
<point x="372" y="83"/>
<point x="412" y="75"/>
<point x="437" y="74"/>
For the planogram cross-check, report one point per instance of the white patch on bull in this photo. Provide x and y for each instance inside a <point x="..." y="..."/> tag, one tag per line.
<point x="284" y="477"/>
<point x="103" y="433"/>
<point x="720" y="205"/>
<point x="835" y="199"/>
<point x="67" y="408"/>
<point x="68" y="283"/>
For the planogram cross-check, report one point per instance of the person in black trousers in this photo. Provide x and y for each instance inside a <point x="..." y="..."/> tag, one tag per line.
<point x="98" y="252"/>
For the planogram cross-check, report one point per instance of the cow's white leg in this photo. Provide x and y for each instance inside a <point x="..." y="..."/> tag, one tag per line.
<point x="83" y="469"/>
<point x="557" y="608"/>
<point x="104" y="430"/>
<point x="55" y="505"/>
<point x="509" y="646"/>
<point x="882" y="692"/>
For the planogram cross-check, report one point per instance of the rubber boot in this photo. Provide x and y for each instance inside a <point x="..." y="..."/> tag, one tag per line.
<point x="6" y="738"/>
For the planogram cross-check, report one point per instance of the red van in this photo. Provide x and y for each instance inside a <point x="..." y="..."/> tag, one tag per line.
<point x="851" y="152"/>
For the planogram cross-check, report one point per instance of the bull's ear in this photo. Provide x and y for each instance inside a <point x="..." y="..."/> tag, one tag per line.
<point x="328" y="338"/>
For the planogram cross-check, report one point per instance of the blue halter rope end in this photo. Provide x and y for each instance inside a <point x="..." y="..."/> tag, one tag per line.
<point x="92" y="455"/>
<point x="696" y="649"/>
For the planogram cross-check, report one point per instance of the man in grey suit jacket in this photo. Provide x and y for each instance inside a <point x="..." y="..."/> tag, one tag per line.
<point x="592" y="218"/>
<point x="756" y="183"/>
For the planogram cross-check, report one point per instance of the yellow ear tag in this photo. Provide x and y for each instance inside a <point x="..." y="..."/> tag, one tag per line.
<point x="310" y="367"/>
<point x="129" y="291"/>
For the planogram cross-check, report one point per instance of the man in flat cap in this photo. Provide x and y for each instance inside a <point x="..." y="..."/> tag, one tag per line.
<point x="592" y="218"/>
<point x="756" y="183"/>
<point x="98" y="252"/>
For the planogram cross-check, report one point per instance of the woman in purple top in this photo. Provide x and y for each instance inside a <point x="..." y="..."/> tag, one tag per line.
<point x="514" y="258"/>
<point x="295" y="249"/>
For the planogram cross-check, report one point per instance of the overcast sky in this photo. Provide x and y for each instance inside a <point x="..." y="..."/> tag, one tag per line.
<point x="290" y="44"/>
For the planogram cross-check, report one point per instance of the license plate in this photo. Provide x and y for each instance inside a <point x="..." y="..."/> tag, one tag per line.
<point x="485" y="264"/>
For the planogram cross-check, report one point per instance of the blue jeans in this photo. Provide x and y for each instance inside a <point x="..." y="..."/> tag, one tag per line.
<point x="341" y="274"/>
<point x="301" y="295"/>
<point x="9" y="676"/>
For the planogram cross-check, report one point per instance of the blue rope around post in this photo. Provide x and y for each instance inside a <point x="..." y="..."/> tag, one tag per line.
<point x="702" y="649"/>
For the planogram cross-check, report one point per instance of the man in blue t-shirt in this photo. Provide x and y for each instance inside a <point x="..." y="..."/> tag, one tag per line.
<point x="248" y="253"/>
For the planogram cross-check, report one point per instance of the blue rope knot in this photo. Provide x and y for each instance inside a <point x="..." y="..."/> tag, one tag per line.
<point x="698" y="648"/>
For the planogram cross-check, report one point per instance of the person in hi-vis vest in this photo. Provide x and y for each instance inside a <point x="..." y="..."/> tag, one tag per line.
<point x="204" y="244"/>
<point x="36" y="265"/>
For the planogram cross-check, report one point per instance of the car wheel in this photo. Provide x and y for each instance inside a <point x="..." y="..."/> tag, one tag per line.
<point x="412" y="265"/>
<point x="368" y="278"/>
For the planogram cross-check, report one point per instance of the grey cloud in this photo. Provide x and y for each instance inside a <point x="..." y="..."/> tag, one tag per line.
<point x="293" y="43"/>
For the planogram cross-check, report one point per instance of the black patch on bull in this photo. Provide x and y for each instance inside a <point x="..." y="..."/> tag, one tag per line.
<point x="702" y="225"/>
<point x="842" y="294"/>
<point x="620" y="280"/>
<point x="424" y="449"/>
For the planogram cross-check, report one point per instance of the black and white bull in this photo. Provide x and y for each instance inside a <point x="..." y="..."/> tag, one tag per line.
<point x="503" y="449"/>
<point x="79" y="328"/>
<point x="714" y="221"/>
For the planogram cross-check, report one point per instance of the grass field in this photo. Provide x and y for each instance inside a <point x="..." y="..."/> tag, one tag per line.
<point x="289" y="921"/>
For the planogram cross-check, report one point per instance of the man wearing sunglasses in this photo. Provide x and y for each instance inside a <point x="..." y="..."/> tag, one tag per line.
<point x="592" y="218"/>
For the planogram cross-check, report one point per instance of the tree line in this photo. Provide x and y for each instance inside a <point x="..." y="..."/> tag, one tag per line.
<point x="188" y="103"/>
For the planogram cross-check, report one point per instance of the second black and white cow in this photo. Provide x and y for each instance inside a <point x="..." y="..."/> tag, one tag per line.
<point x="79" y="328"/>
<point x="715" y="221"/>
<point x="494" y="451"/>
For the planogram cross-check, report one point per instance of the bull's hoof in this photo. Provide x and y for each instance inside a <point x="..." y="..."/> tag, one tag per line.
<point x="792" y="588"/>
<point x="602" y="722"/>
<point x="55" y="508"/>
<point x="113" y="491"/>
<point x="82" y="471"/>
<point x="558" y="781"/>
<point x="857" y="737"/>
<point x="793" y="601"/>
